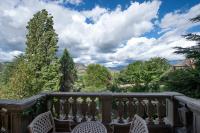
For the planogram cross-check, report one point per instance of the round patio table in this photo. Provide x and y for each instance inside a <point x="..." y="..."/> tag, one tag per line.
<point x="90" y="127"/>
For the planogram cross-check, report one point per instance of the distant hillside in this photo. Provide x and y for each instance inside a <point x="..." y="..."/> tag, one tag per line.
<point x="121" y="67"/>
<point x="80" y="67"/>
<point x="117" y="68"/>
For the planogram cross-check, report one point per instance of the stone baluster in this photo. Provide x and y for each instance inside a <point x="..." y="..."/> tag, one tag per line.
<point x="131" y="109"/>
<point x="84" y="108"/>
<point x="140" y="108"/>
<point x="161" y="111"/>
<point x="66" y="108"/>
<point x="120" y="108"/>
<point x="57" y="108"/>
<point x="93" y="108"/>
<point x="150" y="112"/>
<point x="74" y="109"/>
<point x="125" y="109"/>
<point x="49" y="105"/>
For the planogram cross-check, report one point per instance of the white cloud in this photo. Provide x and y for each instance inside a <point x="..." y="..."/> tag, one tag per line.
<point x="73" y="2"/>
<point x="84" y="40"/>
<point x="8" y="56"/>
<point x="111" y="38"/>
<point x="173" y="25"/>
<point x="178" y="20"/>
<point x="95" y="13"/>
<point x="142" y="48"/>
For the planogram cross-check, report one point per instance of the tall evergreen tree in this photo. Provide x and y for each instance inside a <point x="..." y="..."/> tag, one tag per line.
<point x="41" y="51"/>
<point x="41" y="40"/>
<point x="194" y="51"/>
<point x="68" y="71"/>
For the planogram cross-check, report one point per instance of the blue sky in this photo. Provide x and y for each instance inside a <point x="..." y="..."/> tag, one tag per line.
<point x="110" y="32"/>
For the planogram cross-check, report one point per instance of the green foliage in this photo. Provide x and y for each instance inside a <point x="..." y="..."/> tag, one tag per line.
<point x="20" y="85"/>
<point x="41" y="40"/>
<point x="144" y="76"/>
<point x="132" y="74"/>
<point x="154" y="68"/>
<point x="185" y="81"/>
<point x="7" y="71"/>
<point x="1" y="67"/>
<point x="50" y="76"/>
<point x="41" y="52"/>
<point x="38" y="69"/>
<point x="97" y="77"/>
<point x="80" y="83"/>
<point x="114" y="86"/>
<point x="68" y="70"/>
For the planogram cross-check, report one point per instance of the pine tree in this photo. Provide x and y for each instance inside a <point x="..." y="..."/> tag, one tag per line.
<point x="194" y="51"/>
<point x="68" y="70"/>
<point x="41" y="50"/>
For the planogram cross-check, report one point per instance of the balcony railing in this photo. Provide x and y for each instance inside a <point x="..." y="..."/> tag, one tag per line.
<point x="167" y="112"/>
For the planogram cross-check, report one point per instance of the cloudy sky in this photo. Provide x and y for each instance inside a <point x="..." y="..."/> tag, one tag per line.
<point x="110" y="32"/>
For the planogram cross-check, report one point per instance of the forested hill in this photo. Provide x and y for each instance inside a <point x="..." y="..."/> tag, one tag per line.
<point x="82" y="67"/>
<point x="120" y="67"/>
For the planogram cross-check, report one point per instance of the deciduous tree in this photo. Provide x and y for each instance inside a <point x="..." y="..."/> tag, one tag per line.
<point x="97" y="77"/>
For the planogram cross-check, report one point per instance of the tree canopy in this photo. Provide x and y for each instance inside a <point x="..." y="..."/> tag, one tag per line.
<point x="141" y="74"/>
<point x="97" y="77"/>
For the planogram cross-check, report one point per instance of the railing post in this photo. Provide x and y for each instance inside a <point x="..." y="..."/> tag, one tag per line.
<point x="16" y="119"/>
<point x="3" y="120"/>
<point x="196" y="122"/>
<point x="172" y="114"/>
<point x="106" y="108"/>
<point x="189" y="112"/>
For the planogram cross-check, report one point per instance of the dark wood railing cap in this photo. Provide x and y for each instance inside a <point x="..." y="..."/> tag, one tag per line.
<point x="20" y="105"/>
<point x="100" y="94"/>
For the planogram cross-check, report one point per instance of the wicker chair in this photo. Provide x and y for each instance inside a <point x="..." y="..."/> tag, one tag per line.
<point x="90" y="127"/>
<point x="43" y="123"/>
<point x="138" y="125"/>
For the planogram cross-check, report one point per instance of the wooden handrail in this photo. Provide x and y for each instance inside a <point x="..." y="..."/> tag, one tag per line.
<point x="135" y="94"/>
<point x="20" y="105"/>
<point x="190" y="103"/>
